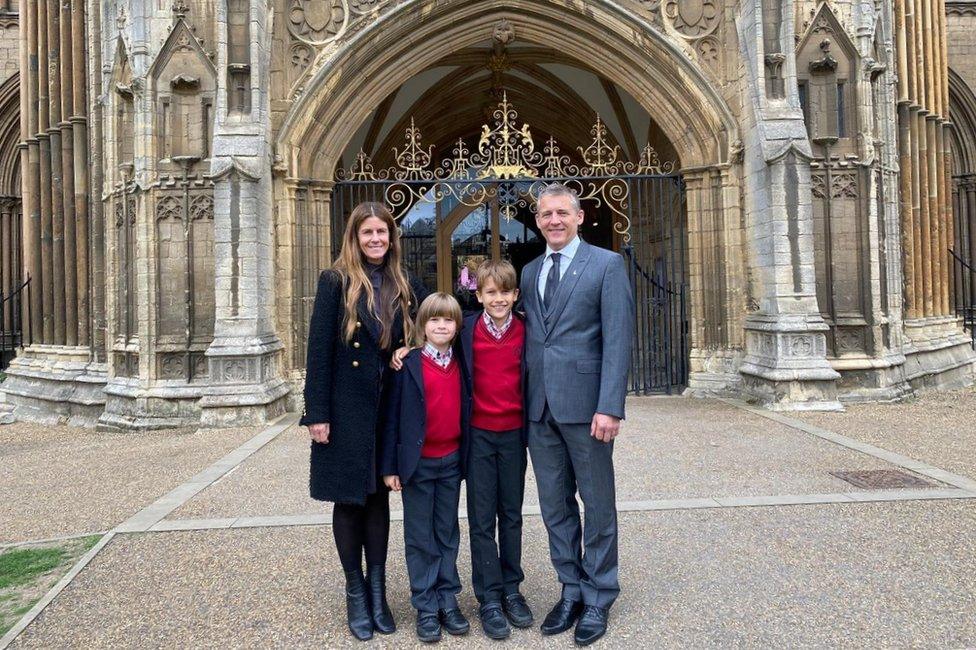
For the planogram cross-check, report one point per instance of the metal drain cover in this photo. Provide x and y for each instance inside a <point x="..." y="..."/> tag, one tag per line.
<point x="882" y="479"/>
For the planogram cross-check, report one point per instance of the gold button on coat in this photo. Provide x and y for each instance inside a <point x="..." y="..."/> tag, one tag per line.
<point x="355" y="344"/>
<point x="355" y="364"/>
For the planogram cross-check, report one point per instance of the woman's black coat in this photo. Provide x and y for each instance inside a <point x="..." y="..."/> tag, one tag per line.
<point x="344" y="387"/>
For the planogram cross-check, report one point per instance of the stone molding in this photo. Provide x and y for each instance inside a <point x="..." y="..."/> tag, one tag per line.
<point x="960" y="8"/>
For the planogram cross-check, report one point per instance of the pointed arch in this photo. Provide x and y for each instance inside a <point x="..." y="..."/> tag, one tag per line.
<point x="367" y="67"/>
<point x="962" y="117"/>
<point x="10" y="184"/>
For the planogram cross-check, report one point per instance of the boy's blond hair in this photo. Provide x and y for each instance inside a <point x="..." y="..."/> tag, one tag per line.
<point x="434" y="305"/>
<point x="501" y="272"/>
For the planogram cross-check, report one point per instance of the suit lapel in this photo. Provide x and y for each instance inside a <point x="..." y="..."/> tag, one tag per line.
<point x="534" y="302"/>
<point x="566" y="285"/>
<point x="467" y="341"/>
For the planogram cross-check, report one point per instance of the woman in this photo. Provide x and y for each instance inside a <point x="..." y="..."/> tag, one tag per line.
<point x="364" y="309"/>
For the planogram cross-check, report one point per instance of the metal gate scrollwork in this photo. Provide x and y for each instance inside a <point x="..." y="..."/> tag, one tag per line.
<point x="504" y="168"/>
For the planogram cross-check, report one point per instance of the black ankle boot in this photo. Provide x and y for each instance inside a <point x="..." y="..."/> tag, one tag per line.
<point x="357" y="606"/>
<point x="382" y="616"/>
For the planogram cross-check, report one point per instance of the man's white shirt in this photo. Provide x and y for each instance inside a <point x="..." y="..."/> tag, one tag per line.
<point x="566" y="258"/>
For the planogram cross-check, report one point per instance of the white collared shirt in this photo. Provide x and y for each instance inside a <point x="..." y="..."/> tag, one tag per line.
<point x="494" y="330"/>
<point x="566" y="258"/>
<point x="443" y="359"/>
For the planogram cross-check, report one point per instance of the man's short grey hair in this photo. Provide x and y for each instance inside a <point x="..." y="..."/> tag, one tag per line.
<point x="558" y="189"/>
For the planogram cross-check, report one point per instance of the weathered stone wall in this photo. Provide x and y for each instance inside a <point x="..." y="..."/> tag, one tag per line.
<point x="9" y="42"/>
<point x="961" y="23"/>
<point x="219" y="126"/>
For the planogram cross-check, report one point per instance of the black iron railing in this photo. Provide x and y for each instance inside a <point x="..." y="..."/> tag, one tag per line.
<point x="660" y="357"/>
<point x="15" y="331"/>
<point x="964" y="296"/>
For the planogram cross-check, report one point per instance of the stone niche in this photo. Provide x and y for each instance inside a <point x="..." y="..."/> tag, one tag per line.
<point x="184" y="85"/>
<point x="827" y="79"/>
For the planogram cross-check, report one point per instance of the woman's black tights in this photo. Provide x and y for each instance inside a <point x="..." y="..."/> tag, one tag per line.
<point x="359" y="528"/>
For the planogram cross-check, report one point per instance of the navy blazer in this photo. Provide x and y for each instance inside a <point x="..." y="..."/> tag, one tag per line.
<point x="406" y="419"/>
<point x="466" y="343"/>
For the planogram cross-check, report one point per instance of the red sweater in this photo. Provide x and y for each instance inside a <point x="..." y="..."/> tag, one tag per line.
<point x="442" y="397"/>
<point x="498" y="377"/>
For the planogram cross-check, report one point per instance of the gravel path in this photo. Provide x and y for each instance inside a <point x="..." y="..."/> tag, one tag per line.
<point x="938" y="428"/>
<point x="899" y="573"/>
<point x="670" y="448"/>
<point x="59" y="481"/>
<point x="866" y="575"/>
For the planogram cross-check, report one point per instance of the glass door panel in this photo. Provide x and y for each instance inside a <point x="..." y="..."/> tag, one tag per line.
<point x="470" y="244"/>
<point x="418" y="238"/>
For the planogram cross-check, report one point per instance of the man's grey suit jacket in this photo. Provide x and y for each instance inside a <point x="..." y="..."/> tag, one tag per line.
<point x="578" y="355"/>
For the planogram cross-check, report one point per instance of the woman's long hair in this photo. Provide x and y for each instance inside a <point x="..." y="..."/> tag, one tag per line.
<point x="351" y="265"/>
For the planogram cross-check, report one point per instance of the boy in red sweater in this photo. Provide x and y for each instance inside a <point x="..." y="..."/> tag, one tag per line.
<point x="492" y="344"/>
<point x="423" y="453"/>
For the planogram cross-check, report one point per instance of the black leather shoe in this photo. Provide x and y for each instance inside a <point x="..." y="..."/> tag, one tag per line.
<point x="493" y="621"/>
<point x="382" y="616"/>
<point x="562" y="616"/>
<point x="428" y="627"/>
<point x="357" y="606"/>
<point x="592" y="625"/>
<point x="454" y="622"/>
<point x="517" y="611"/>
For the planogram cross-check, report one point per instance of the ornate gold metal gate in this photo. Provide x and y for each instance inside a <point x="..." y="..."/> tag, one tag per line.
<point x="487" y="192"/>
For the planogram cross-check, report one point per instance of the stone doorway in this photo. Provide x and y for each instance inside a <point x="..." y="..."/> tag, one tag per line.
<point x="360" y="98"/>
<point x="479" y="203"/>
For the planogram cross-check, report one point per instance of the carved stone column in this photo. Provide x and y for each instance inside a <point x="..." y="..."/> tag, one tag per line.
<point x="55" y="378"/>
<point x="716" y="270"/>
<point x="785" y="364"/>
<point x="937" y="351"/>
<point x="246" y="386"/>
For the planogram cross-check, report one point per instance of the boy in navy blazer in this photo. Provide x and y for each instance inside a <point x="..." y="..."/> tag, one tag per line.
<point x="423" y="453"/>
<point x="493" y="348"/>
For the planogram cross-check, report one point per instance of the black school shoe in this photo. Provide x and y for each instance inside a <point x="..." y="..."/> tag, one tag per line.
<point x="428" y="627"/>
<point x="454" y="621"/>
<point x="517" y="611"/>
<point x="592" y="625"/>
<point x="562" y="617"/>
<point x="493" y="621"/>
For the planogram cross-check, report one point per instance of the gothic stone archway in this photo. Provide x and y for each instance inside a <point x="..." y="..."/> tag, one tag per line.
<point x="363" y="66"/>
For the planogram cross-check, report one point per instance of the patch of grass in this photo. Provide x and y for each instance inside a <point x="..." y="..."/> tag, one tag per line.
<point x="27" y="573"/>
<point x="20" y="566"/>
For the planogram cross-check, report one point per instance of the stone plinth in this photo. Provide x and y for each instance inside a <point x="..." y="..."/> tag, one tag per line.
<point x="56" y="384"/>
<point x="785" y="368"/>
<point x="245" y="387"/>
<point x="938" y="354"/>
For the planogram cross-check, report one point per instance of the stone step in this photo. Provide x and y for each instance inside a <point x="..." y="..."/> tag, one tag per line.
<point x="6" y="410"/>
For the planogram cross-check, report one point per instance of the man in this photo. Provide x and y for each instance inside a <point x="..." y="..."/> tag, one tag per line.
<point x="579" y="327"/>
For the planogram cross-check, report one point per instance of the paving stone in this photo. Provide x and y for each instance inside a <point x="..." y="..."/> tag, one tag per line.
<point x="938" y="428"/>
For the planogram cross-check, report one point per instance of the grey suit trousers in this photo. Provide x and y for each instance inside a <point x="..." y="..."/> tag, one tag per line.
<point x="569" y="457"/>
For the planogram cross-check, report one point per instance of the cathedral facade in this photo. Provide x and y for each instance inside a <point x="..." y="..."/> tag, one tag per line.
<point x="792" y="184"/>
